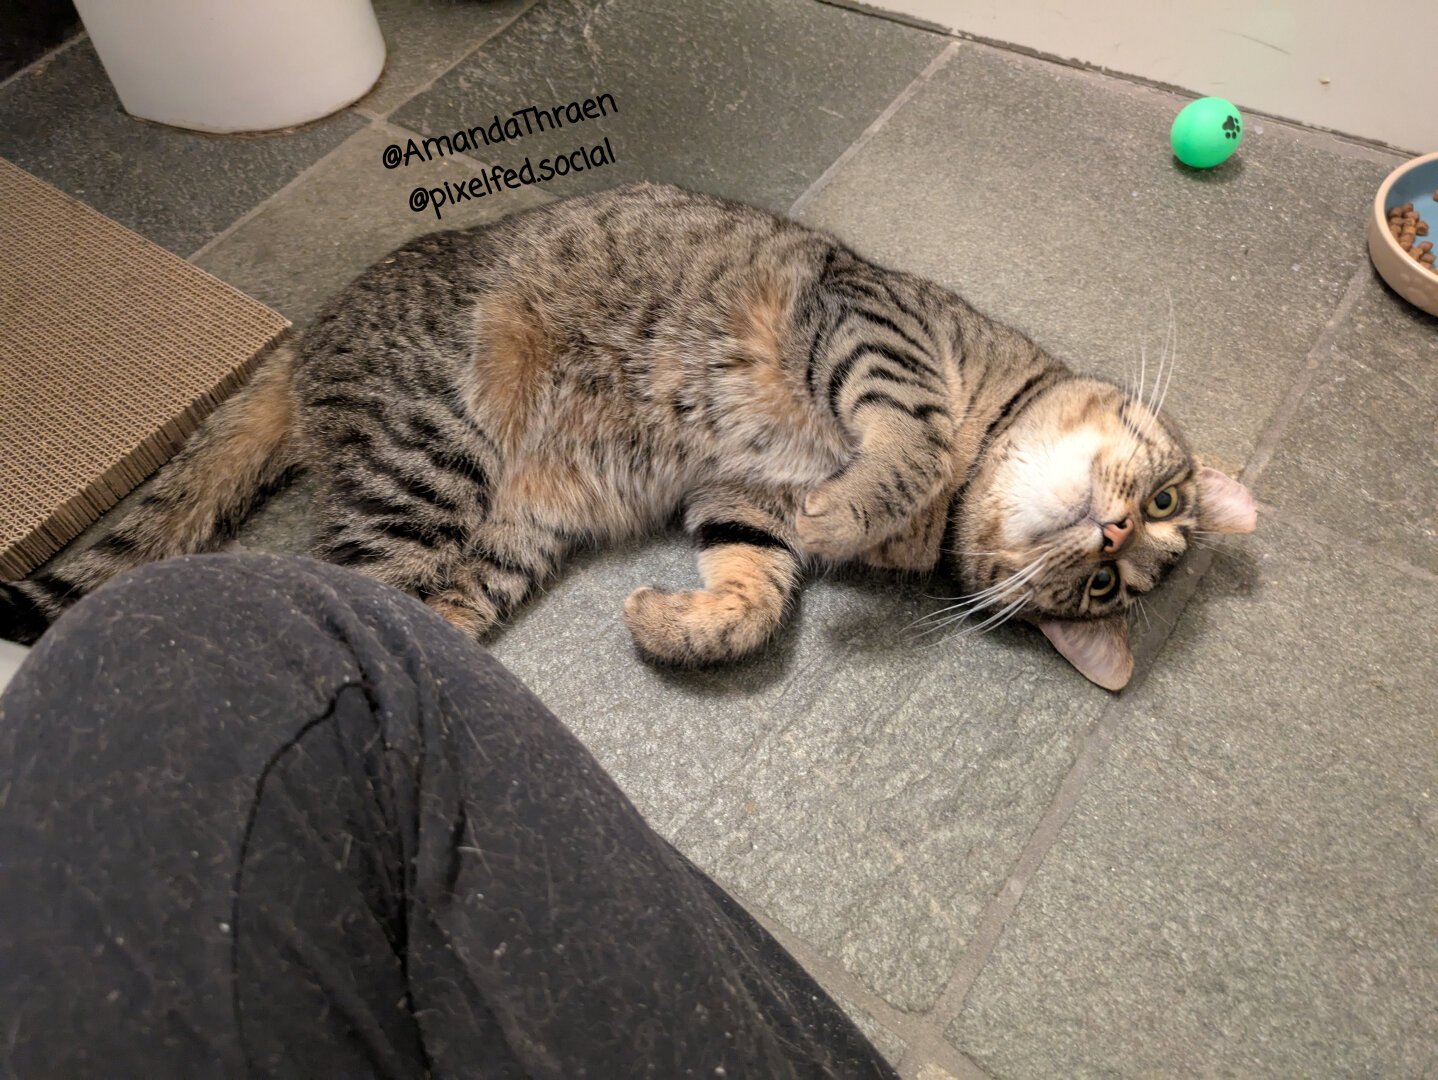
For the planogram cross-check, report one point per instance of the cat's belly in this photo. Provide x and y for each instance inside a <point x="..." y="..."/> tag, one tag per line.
<point x="774" y="440"/>
<point x="798" y="455"/>
<point x="779" y="463"/>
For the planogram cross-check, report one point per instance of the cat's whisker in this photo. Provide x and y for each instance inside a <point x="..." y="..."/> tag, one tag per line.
<point x="1166" y="622"/>
<point x="1131" y="372"/>
<point x="968" y="606"/>
<point x="1151" y="398"/>
<point x="994" y="621"/>
<point x="1206" y="538"/>
<point x="1150" y="418"/>
<point x="981" y="598"/>
<point x="936" y="627"/>
<point x="949" y="620"/>
<point x="955" y="554"/>
<point x="1157" y="408"/>
<point x="993" y="592"/>
<point x="955" y="617"/>
<point x="953" y="599"/>
<point x="1158" y="376"/>
<point x="1139" y="394"/>
<point x="1142" y="369"/>
<point x="996" y="591"/>
<point x="1172" y="348"/>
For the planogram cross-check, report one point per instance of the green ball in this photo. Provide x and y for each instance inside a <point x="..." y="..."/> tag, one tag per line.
<point x="1206" y="132"/>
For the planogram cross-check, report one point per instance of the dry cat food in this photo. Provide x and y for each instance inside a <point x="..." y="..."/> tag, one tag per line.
<point x="1406" y="226"/>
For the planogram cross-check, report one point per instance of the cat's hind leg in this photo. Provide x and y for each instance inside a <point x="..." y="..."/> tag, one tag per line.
<point x="750" y="567"/>
<point x="407" y="498"/>
<point x="507" y="558"/>
<point x="472" y="575"/>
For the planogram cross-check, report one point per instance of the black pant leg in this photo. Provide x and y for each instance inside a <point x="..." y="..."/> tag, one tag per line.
<point x="134" y="741"/>
<point x="265" y="815"/>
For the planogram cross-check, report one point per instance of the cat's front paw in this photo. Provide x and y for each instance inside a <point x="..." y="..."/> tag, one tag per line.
<point x="696" y="628"/>
<point x="833" y="526"/>
<point x="916" y="546"/>
<point x="656" y="622"/>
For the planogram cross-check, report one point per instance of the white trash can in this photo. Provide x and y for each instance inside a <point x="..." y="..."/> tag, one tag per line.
<point x="236" y="65"/>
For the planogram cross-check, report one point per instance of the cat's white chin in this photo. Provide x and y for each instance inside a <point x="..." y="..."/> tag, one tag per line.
<point x="1048" y="483"/>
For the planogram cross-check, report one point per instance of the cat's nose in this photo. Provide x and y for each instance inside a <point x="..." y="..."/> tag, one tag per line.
<point x="1116" y="534"/>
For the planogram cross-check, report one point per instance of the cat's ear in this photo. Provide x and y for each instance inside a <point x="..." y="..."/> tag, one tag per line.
<point x="1224" y="505"/>
<point x="1097" y="647"/>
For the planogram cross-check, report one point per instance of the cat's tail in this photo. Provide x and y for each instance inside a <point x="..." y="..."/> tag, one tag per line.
<point x="236" y="456"/>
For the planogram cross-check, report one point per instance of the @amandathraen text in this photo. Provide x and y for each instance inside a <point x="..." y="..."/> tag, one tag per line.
<point x="530" y="120"/>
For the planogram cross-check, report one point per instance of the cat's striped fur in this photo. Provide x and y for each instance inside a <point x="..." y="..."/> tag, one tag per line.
<point x="481" y="402"/>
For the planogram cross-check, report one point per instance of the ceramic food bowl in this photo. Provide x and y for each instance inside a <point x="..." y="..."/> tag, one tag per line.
<point x="1413" y="182"/>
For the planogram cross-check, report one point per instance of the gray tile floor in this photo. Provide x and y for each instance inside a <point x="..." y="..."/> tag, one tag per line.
<point x="1228" y="870"/>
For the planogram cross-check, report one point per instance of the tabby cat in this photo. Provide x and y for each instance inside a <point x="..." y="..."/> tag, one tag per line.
<point x="482" y="402"/>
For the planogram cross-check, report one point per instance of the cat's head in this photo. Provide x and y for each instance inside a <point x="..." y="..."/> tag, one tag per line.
<point x="1079" y="509"/>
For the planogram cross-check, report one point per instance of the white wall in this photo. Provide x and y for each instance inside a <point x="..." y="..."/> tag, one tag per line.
<point x="1378" y="56"/>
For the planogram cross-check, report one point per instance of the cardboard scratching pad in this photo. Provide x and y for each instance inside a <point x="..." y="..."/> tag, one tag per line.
<point x="112" y="350"/>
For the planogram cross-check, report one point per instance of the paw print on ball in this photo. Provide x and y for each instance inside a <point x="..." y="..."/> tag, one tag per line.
<point x="1232" y="128"/>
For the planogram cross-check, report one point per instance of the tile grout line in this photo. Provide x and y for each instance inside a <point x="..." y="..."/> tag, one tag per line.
<point x="481" y="43"/>
<point x="46" y="57"/>
<point x="920" y="1037"/>
<point x="1282" y="417"/>
<point x="375" y="122"/>
<point x="371" y="118"/>
<point x="934" y="66"/>
<point x="1092" y="752"/>
<point x="1095" y="744"/>
<point x="399" y="129"/>
<point x="254" y="211"/>
<point x="1356" y="142"/>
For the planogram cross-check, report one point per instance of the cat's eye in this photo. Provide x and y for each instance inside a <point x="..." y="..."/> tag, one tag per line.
<point x="1104" y="583"/>
<point x="1162" y="505"/>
